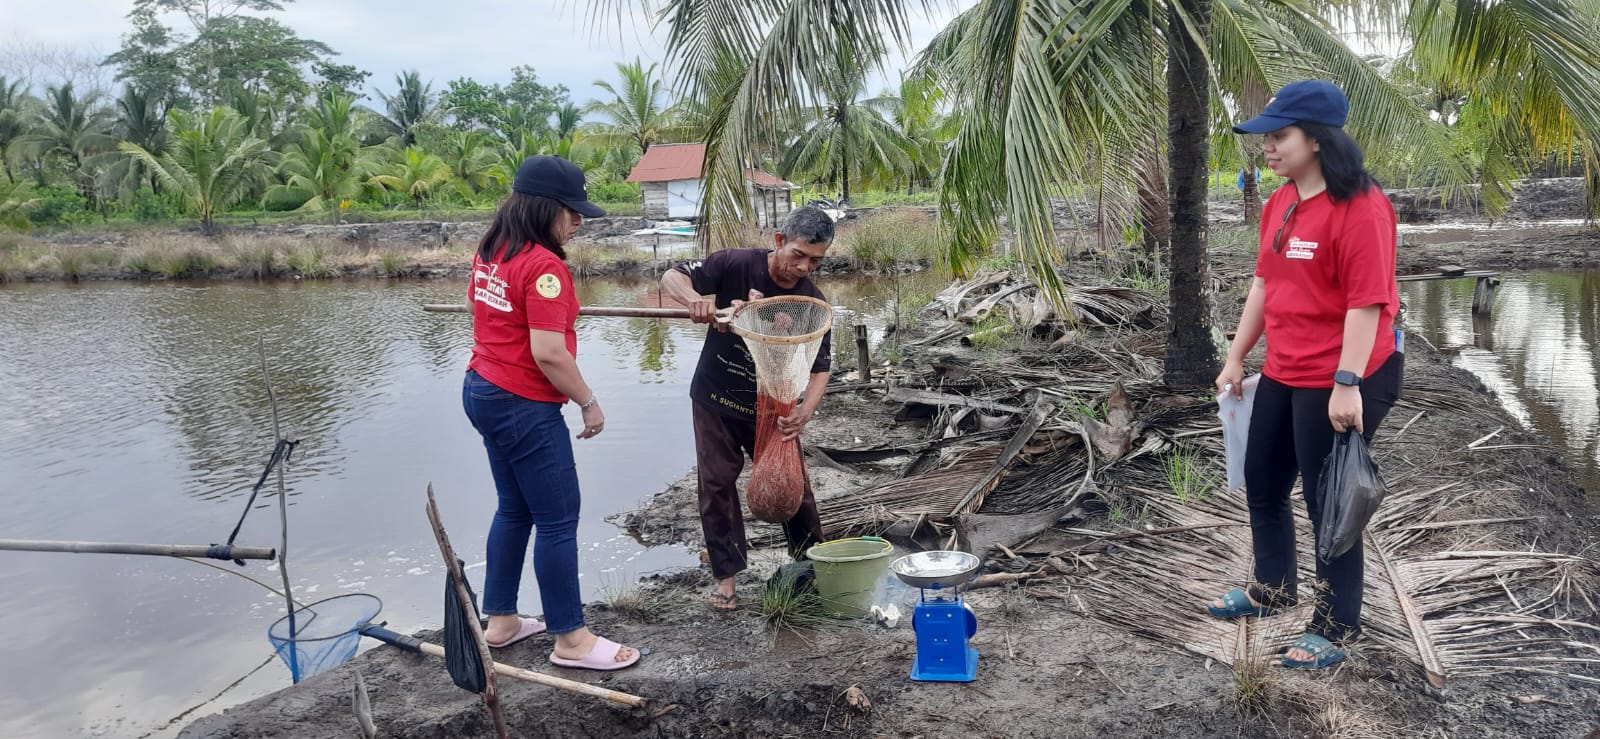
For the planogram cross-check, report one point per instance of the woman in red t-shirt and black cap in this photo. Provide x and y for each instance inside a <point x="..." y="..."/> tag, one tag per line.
<point x="1324" y="294"/>
<point x="524" y="369"/>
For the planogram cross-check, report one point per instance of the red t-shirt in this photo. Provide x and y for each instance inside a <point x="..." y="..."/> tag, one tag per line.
<point x="532" y="291"/>
<point x="1336" y="257"/>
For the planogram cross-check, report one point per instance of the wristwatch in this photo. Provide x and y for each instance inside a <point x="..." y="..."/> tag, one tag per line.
<point x="586" y="405"/>
<point x="1347" y="378"/>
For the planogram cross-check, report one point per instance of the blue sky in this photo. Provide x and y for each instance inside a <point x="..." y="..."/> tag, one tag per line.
<point x="482" y="39"/>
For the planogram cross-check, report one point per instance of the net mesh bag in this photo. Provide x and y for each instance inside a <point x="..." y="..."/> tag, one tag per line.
<point x="783" y="335"/>
<point x="322" y="635"/>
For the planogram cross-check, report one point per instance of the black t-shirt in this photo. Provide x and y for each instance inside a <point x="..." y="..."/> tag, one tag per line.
<point x="725" y="379"/>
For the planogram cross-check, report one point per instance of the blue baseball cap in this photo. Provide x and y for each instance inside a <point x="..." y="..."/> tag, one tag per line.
<point x="558" y="179"/>
<point x="1309" y="101"/>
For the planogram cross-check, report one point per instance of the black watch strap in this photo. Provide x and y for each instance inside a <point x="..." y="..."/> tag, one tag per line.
<point x="1347" y="378"/>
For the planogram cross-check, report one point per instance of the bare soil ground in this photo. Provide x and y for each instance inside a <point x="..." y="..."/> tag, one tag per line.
<point x="1046" y="670"/>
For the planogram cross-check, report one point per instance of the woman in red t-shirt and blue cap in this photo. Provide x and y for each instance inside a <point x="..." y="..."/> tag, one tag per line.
<point x="524" y="369"/>
<point x="1324" y="294"/>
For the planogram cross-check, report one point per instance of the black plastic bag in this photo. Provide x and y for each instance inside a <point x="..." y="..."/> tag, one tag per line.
<point x="793" y="579"/>
<point x="461" y="655"/>
<point x="1349" y="492"/>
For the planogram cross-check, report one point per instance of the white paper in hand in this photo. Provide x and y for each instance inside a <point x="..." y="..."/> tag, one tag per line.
<point x="1235" y="415"/>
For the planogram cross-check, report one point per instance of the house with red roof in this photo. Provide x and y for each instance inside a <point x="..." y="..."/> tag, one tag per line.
<point x="669" y="176"/>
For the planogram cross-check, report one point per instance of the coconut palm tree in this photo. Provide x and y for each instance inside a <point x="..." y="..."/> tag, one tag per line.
<point x="16" y="116"/>
<point x="72" y="129"/>
<point x="324" y="167"/>
<point x="141" y="122"/>
<point x="568" y="116"/>
<point x="471" y="161"/>
<point x="1528" y="75"/>
<point x="848" y="137"/>
<point x="412" y="104"/>
<point x="635" y="113"/>
<point x="212" y="160"/>
<point x="412" y="172"/>
<point x="914" y="109"/>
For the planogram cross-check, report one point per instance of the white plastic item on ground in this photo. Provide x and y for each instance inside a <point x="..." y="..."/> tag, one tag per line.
<point x="1235" y="415"/>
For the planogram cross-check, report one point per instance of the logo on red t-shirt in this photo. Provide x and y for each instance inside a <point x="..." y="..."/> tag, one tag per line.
<point x="489" y="289"/>
<point x="1299" y="249"/>
<point x="548" y="285"/>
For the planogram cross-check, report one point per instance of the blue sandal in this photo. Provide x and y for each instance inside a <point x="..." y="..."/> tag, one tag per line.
<point x="1323" y="653"/>
<point x="1236" y="604"/>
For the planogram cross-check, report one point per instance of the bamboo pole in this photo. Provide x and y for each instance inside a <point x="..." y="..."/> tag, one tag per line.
<point x="413" y="644"/>
<point x="598" y="311"/>
<point x="161" y="550"/>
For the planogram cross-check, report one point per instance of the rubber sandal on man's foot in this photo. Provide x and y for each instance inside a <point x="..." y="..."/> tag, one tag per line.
<point x="530" y="627"/>
<point x="1236" y="604"/>
<point x="724" y="601"/>
<point x="1323" y="653"/>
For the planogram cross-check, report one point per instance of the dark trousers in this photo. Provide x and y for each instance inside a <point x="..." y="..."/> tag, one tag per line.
<point x="1290" y="435"/>
<point x="720" y="446"/>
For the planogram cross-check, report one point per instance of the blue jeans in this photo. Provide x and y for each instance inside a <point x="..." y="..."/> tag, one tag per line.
<point x="530" y="456"/>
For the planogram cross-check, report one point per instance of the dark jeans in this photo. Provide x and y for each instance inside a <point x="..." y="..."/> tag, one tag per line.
<point x="720" y="446"/>
<point x="1290" y="435"/>
<point x="530" y="456"/>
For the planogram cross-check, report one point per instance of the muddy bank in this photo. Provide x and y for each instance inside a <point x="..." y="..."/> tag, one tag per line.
<point x="1053" y="664"/>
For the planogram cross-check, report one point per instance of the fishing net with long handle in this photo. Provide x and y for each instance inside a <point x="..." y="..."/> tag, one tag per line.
<point x="783" y="334"/>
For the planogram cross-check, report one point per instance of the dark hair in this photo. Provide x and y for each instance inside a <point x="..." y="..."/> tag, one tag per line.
<point x="1343" y="164"/>
<point x="808" y="225"/>
<point x="522" y="218"/>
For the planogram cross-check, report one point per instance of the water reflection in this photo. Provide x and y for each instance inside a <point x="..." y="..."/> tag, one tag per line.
<point x="1540" y="351"/>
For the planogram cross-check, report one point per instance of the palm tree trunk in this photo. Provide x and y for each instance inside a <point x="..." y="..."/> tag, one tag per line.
<point x="1252" y="101"/>
<point x="1252" y="193"/>
<point x="1155" y="218"/>
<point x="1191" y="358"/>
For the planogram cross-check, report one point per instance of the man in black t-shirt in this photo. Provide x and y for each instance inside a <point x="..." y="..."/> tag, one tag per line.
<point x="724" y="386"/>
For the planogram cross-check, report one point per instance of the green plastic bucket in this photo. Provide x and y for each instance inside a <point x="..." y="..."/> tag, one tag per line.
<point x="848" y="571"/>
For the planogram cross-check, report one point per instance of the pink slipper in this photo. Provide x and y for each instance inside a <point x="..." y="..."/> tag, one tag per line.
<point x="603" y="657"/>
<point x="530" y="627"/>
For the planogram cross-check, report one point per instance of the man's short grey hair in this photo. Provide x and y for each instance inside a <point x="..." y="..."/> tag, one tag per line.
<point x="808" y="225"/>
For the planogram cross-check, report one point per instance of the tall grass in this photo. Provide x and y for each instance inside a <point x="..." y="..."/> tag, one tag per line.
<point x="786" y="605"/>
<point x="311" y="260"/>
<point x="886" y="241"/>
<point x="256" y="259"/>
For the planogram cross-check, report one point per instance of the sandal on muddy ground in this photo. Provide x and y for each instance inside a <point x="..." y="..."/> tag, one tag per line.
<point x="1323" y="653"/>
<point x="724" y="602"/>
<point x="602" y="657"/>
<point x="1236" y="604"/>
<point x="530" y="627"/>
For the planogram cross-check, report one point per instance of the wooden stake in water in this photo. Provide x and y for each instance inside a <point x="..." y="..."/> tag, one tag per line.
<point x="283" y="511"/>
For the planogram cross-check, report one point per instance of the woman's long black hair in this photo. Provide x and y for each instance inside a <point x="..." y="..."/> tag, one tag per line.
<point x="522" y="219"/>
<point x="1343" y="164"/>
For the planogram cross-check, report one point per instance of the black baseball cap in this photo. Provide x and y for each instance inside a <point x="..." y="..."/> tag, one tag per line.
<point x="1308" y="101"/>
<point x="558" y="179"/>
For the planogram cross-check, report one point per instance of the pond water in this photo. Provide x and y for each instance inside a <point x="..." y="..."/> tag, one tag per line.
<point x="1539" y="351"/>
<point x="137" y="413"/>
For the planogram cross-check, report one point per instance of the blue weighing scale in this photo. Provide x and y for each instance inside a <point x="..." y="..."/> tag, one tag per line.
<point x="942" y="620"/>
